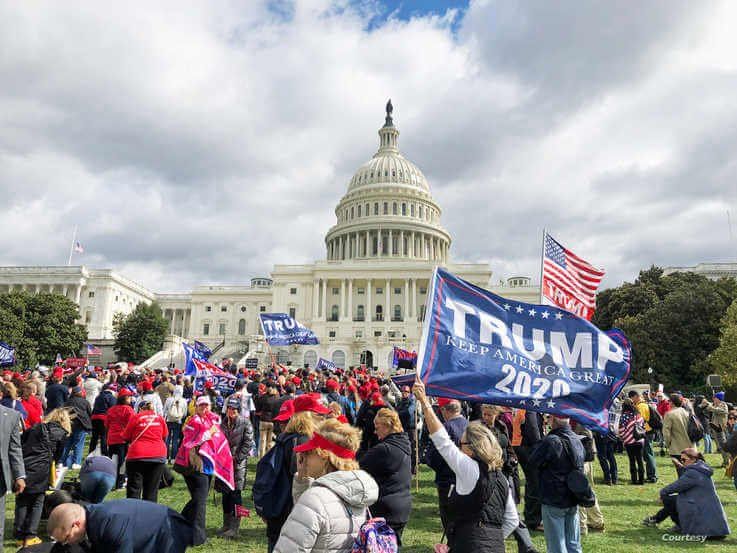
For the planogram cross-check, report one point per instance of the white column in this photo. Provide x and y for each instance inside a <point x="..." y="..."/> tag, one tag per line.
<point x="342" y="299"/>
<point x="406" y="299"/>
<point x="366" y="249"/>
<point x="387" y="298"/>
<point x="78" y="294"/>
<point x="325" y="299"/>
<point x="401" y="243"/>
<point x="369" y="309"/>
<point x="350" y="299"/>
<point x="64" y="290"/>
<point x="315" y="298"/>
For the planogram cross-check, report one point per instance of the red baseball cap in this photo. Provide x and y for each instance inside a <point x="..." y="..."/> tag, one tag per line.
<point x="377" y="399"/>
<point x="443" y="401"/>
<point x="331" y="384"/>
<point x="125" y="392"/>
<point x="309" y="402"/>
<point x="285" y="411"/>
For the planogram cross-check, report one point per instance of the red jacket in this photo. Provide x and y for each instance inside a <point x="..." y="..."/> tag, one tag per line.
<point x="145" y="434"/>
<point x="35" y="411"/>
<point x="116" y="421"/>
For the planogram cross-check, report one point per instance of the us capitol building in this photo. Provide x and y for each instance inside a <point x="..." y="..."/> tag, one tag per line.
<point x="366" y="296"/>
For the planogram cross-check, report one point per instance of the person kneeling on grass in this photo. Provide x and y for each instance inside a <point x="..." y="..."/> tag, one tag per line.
<point x="691" y="501"/>
<point x="121" y="526"/>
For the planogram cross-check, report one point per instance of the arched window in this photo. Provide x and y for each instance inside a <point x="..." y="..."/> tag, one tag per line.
<point x="404" y="209"/>
<point x="412" y="210"/>
<point x="422" y="214"/>
<point x="242" y="327"/>
<point x="367" y="211"/>
<point x="334" y="313"/>
<point x="397" y="313"/>
<point x="339" y="358"/>
<point x="360" y="315"/>
<point x="310" y="358"/>
<point x="386" y="208"/>
<point x="359" y="210"/>
<point x="376" y="208"/>
<point x="352" y="212"/>
<point x="394" y="208"/>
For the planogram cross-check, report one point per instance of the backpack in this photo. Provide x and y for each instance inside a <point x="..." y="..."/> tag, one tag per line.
<point x="375" y="536"/>
<point x="177" y="410"/>
<point x="656" y="421"/>
<point x="576" y="480"/>
<point x="694" y="429"/>
<point x="272" y="487"/>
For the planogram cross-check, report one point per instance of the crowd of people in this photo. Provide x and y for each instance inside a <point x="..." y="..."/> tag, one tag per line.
<point x="336" y="449"/>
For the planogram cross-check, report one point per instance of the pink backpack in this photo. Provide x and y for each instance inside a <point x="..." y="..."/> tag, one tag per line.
<point x="375" y="536"/>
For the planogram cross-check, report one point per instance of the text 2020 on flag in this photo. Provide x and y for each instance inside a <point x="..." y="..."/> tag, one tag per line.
<point x="480" y="347"/>
<point x="568" y="281"/>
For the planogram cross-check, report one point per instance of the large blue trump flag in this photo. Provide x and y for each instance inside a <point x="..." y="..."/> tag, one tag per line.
<point x="282" y="330"/>
<point x="478" y="346"/>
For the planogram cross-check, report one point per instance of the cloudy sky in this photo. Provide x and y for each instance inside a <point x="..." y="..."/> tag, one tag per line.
<point x="202" y="142"/>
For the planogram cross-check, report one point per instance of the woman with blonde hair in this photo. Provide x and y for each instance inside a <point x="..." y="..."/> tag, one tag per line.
<point x="331" y="492"/>
<point x="482" y="510"/>
<point x="40" y="444"/>
<point x="390" y="463"/>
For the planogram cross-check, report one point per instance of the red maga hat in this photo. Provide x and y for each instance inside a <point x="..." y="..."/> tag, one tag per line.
<point x="309" y="402"/>
<point x="443" y="401"/>
<point x="319" y="442"/>
<point x="332" y="385"/>
<point x="285" y="411"/>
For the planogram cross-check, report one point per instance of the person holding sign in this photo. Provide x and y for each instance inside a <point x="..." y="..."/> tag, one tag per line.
<point x="482" y="507"/>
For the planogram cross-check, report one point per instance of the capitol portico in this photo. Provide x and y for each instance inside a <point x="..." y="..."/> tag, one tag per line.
<point x="366" y="296"/>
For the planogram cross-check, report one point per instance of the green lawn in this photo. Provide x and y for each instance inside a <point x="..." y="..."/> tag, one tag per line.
<point x="624" y="507"/>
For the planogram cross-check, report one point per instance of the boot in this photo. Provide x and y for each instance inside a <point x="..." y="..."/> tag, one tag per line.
<point x="232" y="532"/>
<point x="523" y="539"/>
<point x="226" y="524"/>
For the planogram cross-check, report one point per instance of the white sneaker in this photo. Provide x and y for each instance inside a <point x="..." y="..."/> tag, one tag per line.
<point x="75" y="466"/>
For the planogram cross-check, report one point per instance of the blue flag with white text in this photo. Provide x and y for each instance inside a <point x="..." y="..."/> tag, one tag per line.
<point x="478" y="346"/>
<point x="325" y="365"/>
<point x="282" y="330"/>
<point x="7" y="354"/>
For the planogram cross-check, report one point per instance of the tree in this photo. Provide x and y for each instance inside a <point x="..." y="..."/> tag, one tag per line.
<point x="40" y="326"/>
<point x="140" y="334"/>
<point x="673" y="323"/>
<point x="723" y="360"/>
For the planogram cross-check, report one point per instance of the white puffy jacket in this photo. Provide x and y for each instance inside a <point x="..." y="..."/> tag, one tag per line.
<point x="328" y="515"/>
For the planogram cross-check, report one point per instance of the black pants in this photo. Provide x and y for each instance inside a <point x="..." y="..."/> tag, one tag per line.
<point x="98" y="435"/>
<point x="144" y="478"/>
<point x="607" y="459"/>
<point x="446" y="512"/>
<point x="533" y="510"/>
<point x="637" y="469"/>
<point x="28" y="509"/>
<point x="670" y="509"/>
<point x="120" y="450"/>
<point x="413" y="449"/>
<point x="273" y="528"/>
<point x="195" y="511"/>
<point x="231" y="498"/>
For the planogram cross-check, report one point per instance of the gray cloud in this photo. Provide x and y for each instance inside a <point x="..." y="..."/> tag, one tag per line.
<point x="203" y="143"/>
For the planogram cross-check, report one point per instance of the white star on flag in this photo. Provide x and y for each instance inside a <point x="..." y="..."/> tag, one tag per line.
<point x="536" y="403"/>
<point x="522" y="402"/>
<point x="551" y="404"/>
<point x="519" y="309"/>
<point x="507" y="306"/>
<point x="558" y="316"/>
<point x="545" y="314"/>
<point x="532" y="312"/>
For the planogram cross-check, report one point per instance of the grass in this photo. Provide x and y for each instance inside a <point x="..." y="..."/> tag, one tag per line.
<point x="624" y="507"/>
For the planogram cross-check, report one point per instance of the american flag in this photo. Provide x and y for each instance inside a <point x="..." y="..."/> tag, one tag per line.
<point x="568" y="281"/>
<point x="93" y="350"/>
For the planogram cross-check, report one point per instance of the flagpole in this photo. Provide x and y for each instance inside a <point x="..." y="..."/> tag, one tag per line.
<point x="542" y="261"/>
<point x="71" y="248"/>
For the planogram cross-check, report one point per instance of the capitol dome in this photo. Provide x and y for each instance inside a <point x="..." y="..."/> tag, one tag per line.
<point x="388" y="211"/>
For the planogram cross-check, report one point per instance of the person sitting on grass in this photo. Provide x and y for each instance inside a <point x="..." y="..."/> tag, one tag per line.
<point x="691" y="501"/>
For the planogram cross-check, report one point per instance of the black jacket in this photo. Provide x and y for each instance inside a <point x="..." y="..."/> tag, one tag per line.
<point x="532" y="431"/>
<point x="56" y="396"/>
<point x="104" y="401"/>
<point x="240" y="440"/>
<point x="389" y="462"/>
<point x="365" y="421"/>
<point x="80" y="413"/>
<point x="554" y="465"/>
<point x="444" y="476"/>
<point x="39" y="445"/>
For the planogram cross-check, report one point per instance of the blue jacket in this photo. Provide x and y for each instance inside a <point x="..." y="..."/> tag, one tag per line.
<point x="104" y="401"/>
<point x="444" y="476"/>
<point x="699" y="511"/>
<point x="56" y="396"/>
<point x="136" y="526"/>
<point x="554" y="465"/>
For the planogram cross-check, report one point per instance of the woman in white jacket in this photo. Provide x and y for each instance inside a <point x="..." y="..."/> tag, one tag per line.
<point x="331" y="494"/>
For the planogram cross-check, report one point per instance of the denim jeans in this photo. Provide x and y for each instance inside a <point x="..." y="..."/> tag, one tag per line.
<point x="73" y="448"/>
<point x="647" y="452"/>
<point x="607" y="459"/>
<point x="172" y="439"/>
<point x="96" y="485"/>
<point x="562" y="533"/>
<point x="707" y="442"/>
